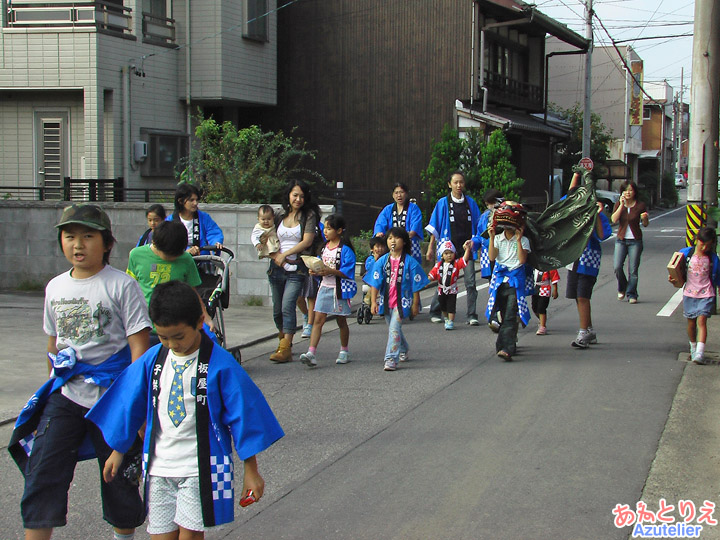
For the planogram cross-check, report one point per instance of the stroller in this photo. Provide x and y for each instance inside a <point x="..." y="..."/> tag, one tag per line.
<point x="364" y="313"/>
<point x="214" y="271"/>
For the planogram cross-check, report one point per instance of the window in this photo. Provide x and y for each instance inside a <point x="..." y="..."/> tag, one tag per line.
<point x="647" y="113"/>
<point x="158" y="8"/>
<point x="256" y="20"/>
<point x="165" y="150"/>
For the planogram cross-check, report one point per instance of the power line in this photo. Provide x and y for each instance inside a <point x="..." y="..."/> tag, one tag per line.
<point x="622" y="59"/>
<point x="652" y="37"/>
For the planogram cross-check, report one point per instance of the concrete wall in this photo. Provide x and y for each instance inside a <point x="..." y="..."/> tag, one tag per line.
<point x="29" y="250"/>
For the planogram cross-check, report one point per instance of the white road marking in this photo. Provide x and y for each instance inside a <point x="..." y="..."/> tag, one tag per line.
<point x="674" y="302"/>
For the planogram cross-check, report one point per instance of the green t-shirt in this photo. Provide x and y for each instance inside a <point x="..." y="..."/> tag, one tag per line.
<point x="150" y="269"/>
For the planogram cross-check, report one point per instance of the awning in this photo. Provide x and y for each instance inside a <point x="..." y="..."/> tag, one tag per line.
<point x="511" y="121"/>
<point x="649" y="154"/>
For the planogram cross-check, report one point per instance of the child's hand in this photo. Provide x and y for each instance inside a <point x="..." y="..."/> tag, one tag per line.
<point x="112" y="466"/>
<point x="519" y="233"/>
<point x="491" y="230"/>
<point x="252" y="480"/>
<point x="672" y="280"/>
<point x="374" y="308"/>
<point x="259" y="247"/>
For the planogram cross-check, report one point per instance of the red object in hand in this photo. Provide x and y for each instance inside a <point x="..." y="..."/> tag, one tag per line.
<point x="248" y="499"/>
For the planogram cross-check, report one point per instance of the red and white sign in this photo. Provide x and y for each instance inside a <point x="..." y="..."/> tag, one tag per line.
<point x="586" y="163"/>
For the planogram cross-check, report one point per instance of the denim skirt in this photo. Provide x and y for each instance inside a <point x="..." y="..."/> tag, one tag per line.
<point x="327" y="302"/>
<point x="694" y="307"/>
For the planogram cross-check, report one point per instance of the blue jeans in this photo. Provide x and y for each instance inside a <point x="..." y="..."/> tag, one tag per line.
<point x="630" y="249"/>
<point x="285" y="288"/>
<point x="396" y="342"/>
<point x="469" y="277"/>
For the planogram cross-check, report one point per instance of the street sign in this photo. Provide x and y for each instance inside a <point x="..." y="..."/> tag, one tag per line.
<point x="586" y="163"/>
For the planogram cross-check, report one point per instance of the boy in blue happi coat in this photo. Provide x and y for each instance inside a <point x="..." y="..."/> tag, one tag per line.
<point x="193" y="397"/>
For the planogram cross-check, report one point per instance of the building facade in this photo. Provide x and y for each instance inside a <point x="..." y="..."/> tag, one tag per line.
<point x="616" y="97"/>
<point x="371" y="83"/>
<point x="108" y="88"/>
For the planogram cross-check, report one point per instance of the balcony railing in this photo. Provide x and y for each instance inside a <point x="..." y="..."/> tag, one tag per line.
<point x="99" y="14"/>
<point x="508" y="91"/>
<point x="158" y="30"/>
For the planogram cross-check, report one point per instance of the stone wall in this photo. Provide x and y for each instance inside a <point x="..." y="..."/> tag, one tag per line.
<point x="30" y="254"/>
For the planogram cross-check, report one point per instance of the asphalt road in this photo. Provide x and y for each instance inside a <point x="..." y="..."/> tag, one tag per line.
<point x="456" y="444"/>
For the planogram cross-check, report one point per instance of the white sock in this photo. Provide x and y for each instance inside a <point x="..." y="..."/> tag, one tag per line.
<point x="693" y="346"/>
<point x="700" y="349"/>
<point x="118" y="536"/>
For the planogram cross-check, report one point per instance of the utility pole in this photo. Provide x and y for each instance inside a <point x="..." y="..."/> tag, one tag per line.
<point x="704" y="123"/>
<point x="682" y="114"/>
<point x="587" y="111"/>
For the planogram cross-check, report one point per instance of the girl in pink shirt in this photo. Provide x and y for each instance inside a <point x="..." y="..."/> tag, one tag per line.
<point x="703" y="276"/>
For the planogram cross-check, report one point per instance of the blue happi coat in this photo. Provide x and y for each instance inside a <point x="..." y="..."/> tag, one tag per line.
<point x="210" y="232"/>
<point x="103" y="374"/>
<point x="346" y="286"/>
<point x="414" y="280"/>
<point x="229" y="409"/>
<point x="481" y="243"/>
<point x="413" y="223"/>
<point x="439" y="225"/>
<point x="521" y="278"/>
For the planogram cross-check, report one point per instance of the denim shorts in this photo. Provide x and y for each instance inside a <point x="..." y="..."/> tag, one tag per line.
<point x="51" y="465"/>
<point x="695" y="307"/>
<point x="579" y="285"/>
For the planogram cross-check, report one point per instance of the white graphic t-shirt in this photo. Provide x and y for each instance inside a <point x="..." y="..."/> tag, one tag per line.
<point x="94" y="316"/>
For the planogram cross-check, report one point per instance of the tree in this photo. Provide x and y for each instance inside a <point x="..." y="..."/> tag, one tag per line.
<point x="485" y="164"/>
<point x="571" y="151"/>
<point x="444" y="159"/>
<point x="244" y="165"/>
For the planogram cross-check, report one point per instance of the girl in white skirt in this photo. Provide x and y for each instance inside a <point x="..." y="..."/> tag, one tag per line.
<point x="336" y="289"/>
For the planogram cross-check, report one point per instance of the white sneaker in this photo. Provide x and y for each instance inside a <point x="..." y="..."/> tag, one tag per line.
<point x="473" y="321"/>
<point x="403" y="357"/>
<point x="582" y="341"/>
<point x="592" y="336"/>
<point x="390" y="364"/>
<point x="342" y="358"/>
<point x="436" y="319"/>
<point x="699" y="358"/>
<point x="308" y="359"/>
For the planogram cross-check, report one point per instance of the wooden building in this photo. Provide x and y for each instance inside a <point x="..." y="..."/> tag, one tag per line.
<point x="370" y="83"/>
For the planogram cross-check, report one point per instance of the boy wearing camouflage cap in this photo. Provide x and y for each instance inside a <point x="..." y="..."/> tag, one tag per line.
<point x="97" y="322"/>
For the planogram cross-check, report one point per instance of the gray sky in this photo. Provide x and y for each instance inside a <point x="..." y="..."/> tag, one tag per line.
<point x="630" y="19"/>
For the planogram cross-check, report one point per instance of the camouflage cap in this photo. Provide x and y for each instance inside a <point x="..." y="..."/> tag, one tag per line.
<point x="90" y="215"/>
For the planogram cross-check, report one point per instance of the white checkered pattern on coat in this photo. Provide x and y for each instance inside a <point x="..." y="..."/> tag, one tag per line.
<point x="27" y="443"/>
<point x="222" y="477"/>
<point x="590" y="258"/>
<point x="415" y="248"/>
<point x="484" y="259"/>
<point x="348" y="286"/>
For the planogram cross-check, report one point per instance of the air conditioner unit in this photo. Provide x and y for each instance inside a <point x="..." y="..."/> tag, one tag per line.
<point x="140" y="150"/>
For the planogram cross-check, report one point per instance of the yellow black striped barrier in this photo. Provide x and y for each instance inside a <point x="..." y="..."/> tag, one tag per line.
<point x="695" y="219"/>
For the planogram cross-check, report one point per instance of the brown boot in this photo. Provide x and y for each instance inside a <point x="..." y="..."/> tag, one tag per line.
<point x="281" y="335"/>
<point x="284" y="352"/>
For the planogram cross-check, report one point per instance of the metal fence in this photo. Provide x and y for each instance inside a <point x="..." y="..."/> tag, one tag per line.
<point x="87" y="190"/>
